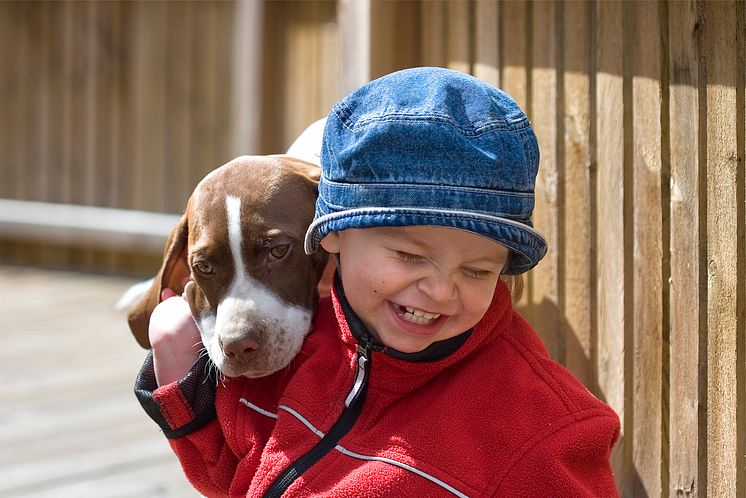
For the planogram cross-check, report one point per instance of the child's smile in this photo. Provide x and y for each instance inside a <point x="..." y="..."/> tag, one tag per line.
<point x="416" y="321"/>
<point x="412" y="286"/>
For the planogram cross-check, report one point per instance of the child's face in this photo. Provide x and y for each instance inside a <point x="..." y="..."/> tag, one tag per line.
<point x="412" y="286"/>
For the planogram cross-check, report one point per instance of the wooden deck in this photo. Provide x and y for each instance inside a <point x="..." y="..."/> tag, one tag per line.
<point x="70" y="425"/>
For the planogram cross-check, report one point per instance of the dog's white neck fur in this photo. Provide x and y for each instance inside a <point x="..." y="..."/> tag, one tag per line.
<point x="248" y="302"/>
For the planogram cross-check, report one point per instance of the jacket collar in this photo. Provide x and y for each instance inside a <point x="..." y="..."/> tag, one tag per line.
<point x="397" y="371"/>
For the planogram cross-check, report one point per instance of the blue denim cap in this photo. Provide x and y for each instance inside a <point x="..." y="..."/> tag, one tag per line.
<point x="431" y="146"/>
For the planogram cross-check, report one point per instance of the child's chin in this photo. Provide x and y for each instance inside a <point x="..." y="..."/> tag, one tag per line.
<point x="406" y="346"/>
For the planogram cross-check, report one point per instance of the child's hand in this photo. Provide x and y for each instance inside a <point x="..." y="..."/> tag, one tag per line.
<point x="174" y="338"/>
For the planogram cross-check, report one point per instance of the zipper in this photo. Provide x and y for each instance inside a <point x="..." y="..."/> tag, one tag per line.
<point x="343" y="425"/>
<point x="362" y="360"/>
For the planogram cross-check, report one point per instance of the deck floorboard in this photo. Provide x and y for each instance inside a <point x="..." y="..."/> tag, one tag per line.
<point x="70" y="425"/>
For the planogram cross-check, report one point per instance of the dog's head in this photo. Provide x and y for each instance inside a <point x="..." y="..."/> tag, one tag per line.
<point x="252" y="289"/>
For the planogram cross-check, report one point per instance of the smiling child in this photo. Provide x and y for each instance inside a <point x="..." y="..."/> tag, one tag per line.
<point x="418" y="378"/>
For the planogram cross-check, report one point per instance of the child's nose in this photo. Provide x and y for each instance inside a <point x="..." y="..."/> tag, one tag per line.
<point x="438" y="286"/>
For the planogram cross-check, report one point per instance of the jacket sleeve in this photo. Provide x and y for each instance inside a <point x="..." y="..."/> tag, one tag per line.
<point x="185" y="412"/>
<point x="572" y="462"/>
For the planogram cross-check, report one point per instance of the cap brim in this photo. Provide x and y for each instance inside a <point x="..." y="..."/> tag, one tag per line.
<point x="526" y="244"/>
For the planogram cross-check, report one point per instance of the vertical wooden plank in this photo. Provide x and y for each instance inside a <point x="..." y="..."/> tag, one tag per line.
<point x="106" y="66"/>
<point x="35" y="135"/>
<point x="204" y="67"/>
<point x="121" y="149"/>
<point x="303" y="57"/>
<point x="610" y="212"/>
<point x="648" y="256"/>
<point x="55" y="175"/>
<point x="222" y="27"/>
<point x="353" y="18"/>
<point x="178" y="72"/>
<point x="248" y="32"/>
<point x="311" y="55"/>
<point x="20" y="100"/>
<point x="487" y="41"/>
<point x="685" y="248"/>
<point x="129" y="173"/>
<point x="578" y="244"/>
<point x="7" y="80"/>
<point x="395" y="36"/>
<point x="543" y="293"/>
<point x="89" y="45"/>
<point x="139" y="40"/>
<point x="47" y="162"/>
<point x="432" y="33"/>
<point x="273" y="49"/>
<point x="459" y="33"/>
<point x="67" y="20"/>
<point x="76" y="88"/>
<point x="514" y="30"/>
<point x="331" y="69"/>
<point x="722" y="250"/>
<point x="45" y="91"/>
<point x="741" y="258"/>
<point x="149" y="107"/>
<point x="100" y="45"/>
<point x="382" y="38"/>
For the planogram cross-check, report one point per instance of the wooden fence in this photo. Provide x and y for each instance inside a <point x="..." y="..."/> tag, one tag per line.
<point x="638" y="106"/>
<point x="129" y="104"/>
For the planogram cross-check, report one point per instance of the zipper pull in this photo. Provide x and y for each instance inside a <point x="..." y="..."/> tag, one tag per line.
<point x="363" y="353"/>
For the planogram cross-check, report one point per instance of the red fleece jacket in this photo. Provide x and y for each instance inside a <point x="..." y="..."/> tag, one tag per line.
<point x="496" y="417"/>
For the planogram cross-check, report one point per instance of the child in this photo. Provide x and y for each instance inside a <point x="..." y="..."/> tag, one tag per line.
<point x="418" y="379"/>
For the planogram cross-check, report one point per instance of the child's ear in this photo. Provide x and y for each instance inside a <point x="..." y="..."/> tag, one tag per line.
<point x="330" y="243"/>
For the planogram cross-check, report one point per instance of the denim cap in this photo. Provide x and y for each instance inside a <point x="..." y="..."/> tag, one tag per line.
<point x="431" y="146"/>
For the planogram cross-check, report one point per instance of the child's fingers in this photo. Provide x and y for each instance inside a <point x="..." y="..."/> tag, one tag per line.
<point x="167" y="293"/>
<point x="171" y="323"/>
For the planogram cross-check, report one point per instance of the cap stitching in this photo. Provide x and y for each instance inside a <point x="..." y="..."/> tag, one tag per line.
<point x="473" y="132"/>
<point x="417" y="186"/>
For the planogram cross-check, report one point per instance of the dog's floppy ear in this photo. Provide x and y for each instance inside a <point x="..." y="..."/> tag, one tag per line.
<point x="171" y="275"/>
<point x="309" y="170"/>
<point x="313" y="173"/>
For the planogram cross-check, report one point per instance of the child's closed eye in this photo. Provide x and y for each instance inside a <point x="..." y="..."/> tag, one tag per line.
<point x="477" y="273"/>
<point x="407" y="257"/>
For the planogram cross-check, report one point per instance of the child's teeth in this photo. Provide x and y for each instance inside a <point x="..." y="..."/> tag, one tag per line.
<point x="420" y="314"/>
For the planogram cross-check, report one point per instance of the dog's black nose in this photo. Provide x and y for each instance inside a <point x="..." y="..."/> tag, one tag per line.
<point x="239" y="348"/>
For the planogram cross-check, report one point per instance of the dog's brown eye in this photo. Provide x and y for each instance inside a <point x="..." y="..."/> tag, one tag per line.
<point x="279" y="252"/>
<point x="203" y="267"/>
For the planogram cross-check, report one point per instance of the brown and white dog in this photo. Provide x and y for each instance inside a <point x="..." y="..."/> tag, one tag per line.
<point x="251" y="288"/>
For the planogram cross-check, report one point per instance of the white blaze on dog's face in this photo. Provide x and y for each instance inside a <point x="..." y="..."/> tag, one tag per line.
<point x="254" y="289"/>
